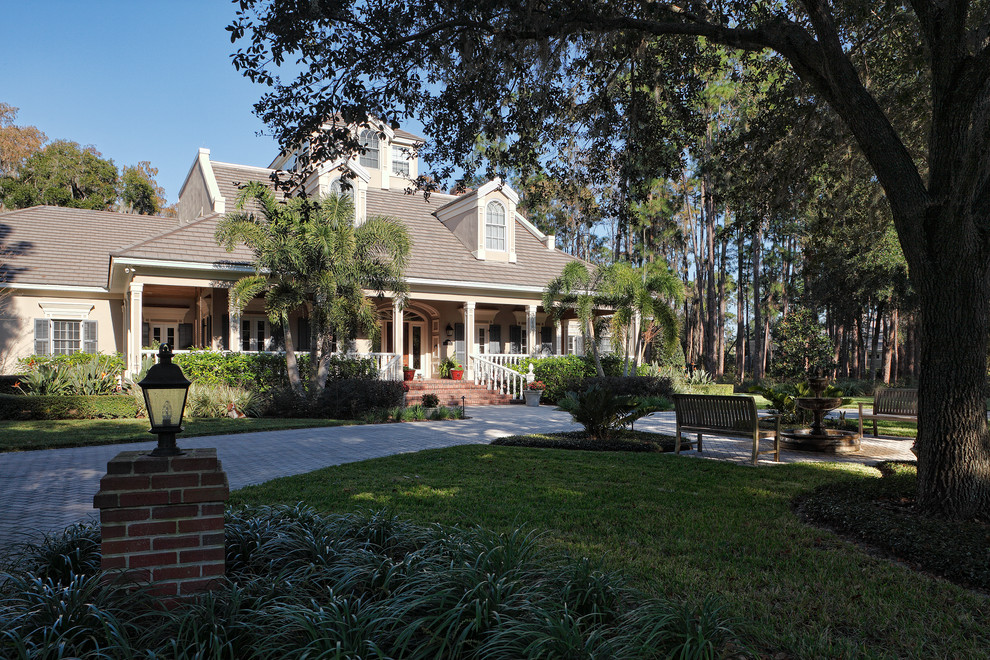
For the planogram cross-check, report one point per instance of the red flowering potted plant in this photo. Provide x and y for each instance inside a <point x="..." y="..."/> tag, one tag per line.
<point x="408" y="373"/>
<point x="457" y="371"/>
<point x="533" y="392"/>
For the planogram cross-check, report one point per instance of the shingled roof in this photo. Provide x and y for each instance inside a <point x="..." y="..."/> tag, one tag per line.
<point x="65" y="246"/>
<point x="230" y="177"/>
<point x="438" y="254"/>
<point x="52" y="245"/>
<point x="193" y="242"/>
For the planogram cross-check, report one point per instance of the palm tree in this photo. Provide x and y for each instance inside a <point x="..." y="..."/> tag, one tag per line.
<point x="309" y="255"/>
<point x="641" y="298"/>
<point x="580" y="291"/>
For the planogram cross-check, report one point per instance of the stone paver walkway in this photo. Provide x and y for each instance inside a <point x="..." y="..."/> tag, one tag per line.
<point x="48" y="490"/>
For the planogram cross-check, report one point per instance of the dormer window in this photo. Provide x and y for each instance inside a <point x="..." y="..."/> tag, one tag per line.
<point x="495" y="227"/>
<point x="341" y="188"/>
<point x="369" y="141"/>
<point x="400" y="162"/>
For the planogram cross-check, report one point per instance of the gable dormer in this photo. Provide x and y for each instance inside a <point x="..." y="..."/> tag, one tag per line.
<point x="484" y="220"/>
<point x="390" y="158"/>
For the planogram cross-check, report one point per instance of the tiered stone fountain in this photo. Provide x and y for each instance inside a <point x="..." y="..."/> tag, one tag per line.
<point x="818" y="438"/>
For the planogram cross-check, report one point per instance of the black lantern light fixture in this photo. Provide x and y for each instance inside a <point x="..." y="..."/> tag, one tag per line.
<point x="450" y="331"/>
<point x="165" y="389"/>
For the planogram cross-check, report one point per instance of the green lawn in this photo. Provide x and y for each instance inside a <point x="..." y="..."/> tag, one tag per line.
<point x="37" y="434"/>
<point x="680" y="527"/>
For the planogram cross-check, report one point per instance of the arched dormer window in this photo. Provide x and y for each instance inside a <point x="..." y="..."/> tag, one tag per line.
<point x="495" y="227"/>
<point x="341" y="188"/>
<point x="369" y="140"/>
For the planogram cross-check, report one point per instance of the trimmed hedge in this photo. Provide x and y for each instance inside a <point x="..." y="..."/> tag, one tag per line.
<point x="7" y="384"/>
<point x="563" y="373"/>
<point x="346" y="398"/>
<point x="710" y="388"/>
<point x="262" y="372"/>
<point x="68" y="407"/>
<point x="652" y="386"/>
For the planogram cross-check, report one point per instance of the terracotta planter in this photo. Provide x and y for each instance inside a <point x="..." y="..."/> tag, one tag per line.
<point x="408" y="375"/>
<point x="456" y="374"/>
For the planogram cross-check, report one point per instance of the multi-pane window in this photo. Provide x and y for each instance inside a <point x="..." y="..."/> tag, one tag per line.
<point x="495" y="227"/>
<point x="64" y="337"/>
<point x="400" y="162"/>
<point x="369" y="140"/>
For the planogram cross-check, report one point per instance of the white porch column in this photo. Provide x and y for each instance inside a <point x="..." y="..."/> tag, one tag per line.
<point x="137" y="327"/>
<point x="397" y="337"/>
<point x="235" y="329"/>
<point x="531" y="338"/>
<point x="470" y="337"/>
<point x="558" y="338"/>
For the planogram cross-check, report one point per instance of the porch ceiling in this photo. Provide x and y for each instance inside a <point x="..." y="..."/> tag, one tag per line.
<point x="162" y="291"/>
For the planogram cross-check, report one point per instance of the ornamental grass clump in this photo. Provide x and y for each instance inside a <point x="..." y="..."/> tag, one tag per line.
<point x="223" y="401"/>
<point x="301" y="584"/>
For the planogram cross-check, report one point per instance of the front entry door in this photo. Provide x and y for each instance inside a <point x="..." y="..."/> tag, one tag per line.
<point x="415" y="347"/>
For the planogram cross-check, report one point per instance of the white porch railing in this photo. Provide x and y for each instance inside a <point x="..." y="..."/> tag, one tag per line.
<point x="497" y="376"/>
<point x="506" y="359"/>
<point x="389" y="364"/>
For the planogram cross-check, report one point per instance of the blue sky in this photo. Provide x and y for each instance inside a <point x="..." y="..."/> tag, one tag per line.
<point x="139" y="80"/>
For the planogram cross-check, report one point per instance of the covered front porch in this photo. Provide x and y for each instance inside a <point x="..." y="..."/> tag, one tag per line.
<point x="487" y="335"/>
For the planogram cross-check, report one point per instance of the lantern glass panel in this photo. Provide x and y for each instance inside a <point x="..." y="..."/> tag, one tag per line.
<point x="165" y="405"/>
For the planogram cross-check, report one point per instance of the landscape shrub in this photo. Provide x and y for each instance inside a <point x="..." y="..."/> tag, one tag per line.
<point x="647" y="386"/>
<point x="258" y="371"/>
<point x="413" y="414"/>
<point x="562" y="373"/>
<point x="76" y="374"/>
<point x="430" y="400"/>
<point x="264" y="372"/>
<point x="68" y="407"/>
<point x="603" y="412"/>
<point x="221" y="400"/>
<point x="113" y="362"/>
<point x="10" y="385"/>
<point x="302" y="584"/>
<point x="351" y="398"/>
<point x="710" y="388"/>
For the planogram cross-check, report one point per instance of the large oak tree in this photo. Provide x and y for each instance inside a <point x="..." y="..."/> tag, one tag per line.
<point x="525" y="71"/>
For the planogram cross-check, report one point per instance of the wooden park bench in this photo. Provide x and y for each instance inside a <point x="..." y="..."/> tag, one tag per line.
<point x="891" y="405"/>
<point x="729" y="415"/>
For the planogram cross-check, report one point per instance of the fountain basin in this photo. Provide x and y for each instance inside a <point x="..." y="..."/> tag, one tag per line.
<point x="815" y="403"/>
<point x="828" y="441"/>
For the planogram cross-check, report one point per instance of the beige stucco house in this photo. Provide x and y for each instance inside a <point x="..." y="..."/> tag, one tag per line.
<point x="106" y="282"/>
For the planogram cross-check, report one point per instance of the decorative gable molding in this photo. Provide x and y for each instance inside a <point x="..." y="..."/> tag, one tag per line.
<point x="64" y="309"/>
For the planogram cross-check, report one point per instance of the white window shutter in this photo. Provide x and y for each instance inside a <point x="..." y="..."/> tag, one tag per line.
<point x="42" y="337"/>
<point x="89" y="337"/>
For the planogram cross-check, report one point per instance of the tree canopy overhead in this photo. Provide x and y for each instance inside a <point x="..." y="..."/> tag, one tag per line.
<point x="524" y="75"/>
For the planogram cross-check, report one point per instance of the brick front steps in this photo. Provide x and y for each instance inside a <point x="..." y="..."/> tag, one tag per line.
<point x="451" y="391"/>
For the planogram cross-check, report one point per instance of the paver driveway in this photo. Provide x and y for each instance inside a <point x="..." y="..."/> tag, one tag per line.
<point x="47" y="490"/>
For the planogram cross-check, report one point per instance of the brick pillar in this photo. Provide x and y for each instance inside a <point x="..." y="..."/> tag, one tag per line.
<point x="162" y="519"/>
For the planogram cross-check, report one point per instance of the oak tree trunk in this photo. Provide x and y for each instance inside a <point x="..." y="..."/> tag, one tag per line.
<point x="953" y="447"/>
